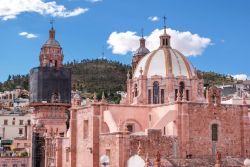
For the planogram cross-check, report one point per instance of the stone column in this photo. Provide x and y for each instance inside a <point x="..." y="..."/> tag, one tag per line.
<point x="73" y="142"/>
<point x="59" y="152"/>
<point x="95" y="140"/>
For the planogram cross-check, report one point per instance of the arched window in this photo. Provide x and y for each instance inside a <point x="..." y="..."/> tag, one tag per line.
<point x="187" y="95"/>
<point x="135" y="90"/>
<point x="156" y="92"/>
<point x="214" y="132"/>
<point x="181" y="89"/>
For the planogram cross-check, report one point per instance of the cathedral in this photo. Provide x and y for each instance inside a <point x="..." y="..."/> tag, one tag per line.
<point x="166" y="116"/>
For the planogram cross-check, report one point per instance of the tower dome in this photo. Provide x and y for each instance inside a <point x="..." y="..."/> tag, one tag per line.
<point x="51" y="54"/>
<point x="165" y="62"/>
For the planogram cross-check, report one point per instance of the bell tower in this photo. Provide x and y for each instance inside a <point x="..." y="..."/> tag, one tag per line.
<point x="51" y="54"/>
<point x="139" y="53"/>
<point x="50" y="98"/>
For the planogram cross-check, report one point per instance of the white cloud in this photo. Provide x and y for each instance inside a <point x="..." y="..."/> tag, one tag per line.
<point x="186" y="42"/>
<point x="240" y="77"/>
<point x="27" y="35"/>
<point x="9" y="9"/>
<point x="153" y="18"/>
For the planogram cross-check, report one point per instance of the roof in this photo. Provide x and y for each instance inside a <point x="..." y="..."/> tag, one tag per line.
<point x="52" y="42"/>
<point x="165" y="62"/>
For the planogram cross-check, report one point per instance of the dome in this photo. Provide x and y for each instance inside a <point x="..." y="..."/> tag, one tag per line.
<point x="52" y="42"/>
<point x="247" y="162"/>
<point x="164" y="62"/>
<point x="141" y="51"/>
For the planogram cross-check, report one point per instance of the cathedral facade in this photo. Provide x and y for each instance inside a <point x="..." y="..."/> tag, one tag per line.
<point x="166" y="115"/>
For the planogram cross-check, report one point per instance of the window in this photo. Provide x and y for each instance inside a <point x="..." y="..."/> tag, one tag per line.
<point x="18" y="145"/>
<point x="20" y="122"/>
<point x="13" y="121"/>
<point x="156" y="92"/>
<point x="162" y="96"/>
<point x="67" y="155"/>
<point x="4" y="165"/>
<point x="181" y="89"/>
<point x="23" y="165"/>
<point x="187" y="94"/>
<point x="28" y="122"/>
<point x="20" y="131"/>
<point x="85" y="129"/>
<point x="175" y="95"/>
<point x="215" y="132"/>
<point x="149" y="96"/>
<point x="130" y="127"/>
<point x="164" y="131"/>
<point x="5" y="122"/>
<point x="14" y="165"/>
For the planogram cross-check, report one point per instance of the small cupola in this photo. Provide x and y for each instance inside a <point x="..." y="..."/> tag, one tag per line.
<point x="52" y="33"/>
<point x="165" y="38"/>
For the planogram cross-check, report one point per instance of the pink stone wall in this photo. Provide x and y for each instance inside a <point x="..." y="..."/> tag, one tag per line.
<point x="230" y="131"/>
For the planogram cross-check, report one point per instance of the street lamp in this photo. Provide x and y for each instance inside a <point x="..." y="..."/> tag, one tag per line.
<point x="104" y="160"/>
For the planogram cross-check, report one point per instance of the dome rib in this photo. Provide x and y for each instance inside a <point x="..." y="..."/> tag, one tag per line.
<point x="148" y="62"/>
<point x="166" y="60"/>
<point x="186" y="63"/>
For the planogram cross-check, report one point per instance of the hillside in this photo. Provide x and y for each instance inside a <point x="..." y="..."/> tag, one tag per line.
<point x="102" y="75"/>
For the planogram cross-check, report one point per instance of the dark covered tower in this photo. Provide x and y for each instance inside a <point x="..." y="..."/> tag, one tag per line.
<point x="50" y="97"/>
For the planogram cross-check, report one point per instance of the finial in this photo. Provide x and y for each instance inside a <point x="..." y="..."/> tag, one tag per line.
<point x="52" y="21"/>
<point x="142" y="31"/>
<point x="165" y="19"/>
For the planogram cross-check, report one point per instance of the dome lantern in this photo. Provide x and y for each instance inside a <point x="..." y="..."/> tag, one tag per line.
<point x="165" y="38"/>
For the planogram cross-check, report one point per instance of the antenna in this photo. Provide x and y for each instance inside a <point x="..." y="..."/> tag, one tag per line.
<point x="102" y="52"/>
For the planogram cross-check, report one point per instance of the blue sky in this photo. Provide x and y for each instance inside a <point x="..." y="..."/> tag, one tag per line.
<point x="84" y="27"/>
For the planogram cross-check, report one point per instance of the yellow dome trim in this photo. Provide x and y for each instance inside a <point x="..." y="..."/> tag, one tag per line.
<point x="166" y="60"/>
<point x="170" y="61"/>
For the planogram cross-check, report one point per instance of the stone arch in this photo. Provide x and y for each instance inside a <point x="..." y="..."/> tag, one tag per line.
<point x="136" y="161"/>
<point x="136" y="125"/>
<point x="170" y="129"/>
<point x="105" y="128"/>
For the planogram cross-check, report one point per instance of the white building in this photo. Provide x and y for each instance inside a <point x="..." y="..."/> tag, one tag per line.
<point x="13" y="125"/>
